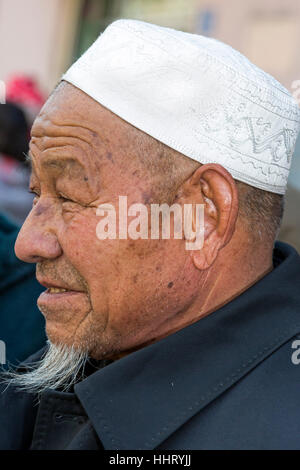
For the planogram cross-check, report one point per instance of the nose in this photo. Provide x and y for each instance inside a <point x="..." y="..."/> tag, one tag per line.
<point x="37" y="238"/>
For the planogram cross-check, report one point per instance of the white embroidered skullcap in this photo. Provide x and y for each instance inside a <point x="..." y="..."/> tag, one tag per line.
<point x="196" y="95"/>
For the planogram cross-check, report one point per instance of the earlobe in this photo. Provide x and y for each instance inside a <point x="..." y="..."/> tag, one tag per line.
<point x="219" y="194"/>
<point x="205" y="257"/>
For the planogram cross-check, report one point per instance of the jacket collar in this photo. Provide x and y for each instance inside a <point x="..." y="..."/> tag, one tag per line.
<point x="140" y="400"/>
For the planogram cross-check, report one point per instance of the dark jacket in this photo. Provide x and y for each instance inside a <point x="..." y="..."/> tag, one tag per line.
<point x="21" y="323"/>
<point x="225" y="382"/>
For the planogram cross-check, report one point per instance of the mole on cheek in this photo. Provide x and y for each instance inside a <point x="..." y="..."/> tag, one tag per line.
<point x="147" y="197"/>
<point x="170" y="285"/>
<point x="109" y="156"/>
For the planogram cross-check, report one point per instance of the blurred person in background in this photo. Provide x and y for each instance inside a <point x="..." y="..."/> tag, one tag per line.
<point x="16" y="116"/>
<point x="21" y="325"/>
<point x="15" y="201"/>
<point x="25" y="92"/>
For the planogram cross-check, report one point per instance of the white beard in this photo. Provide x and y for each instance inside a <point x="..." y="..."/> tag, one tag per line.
<point x="58" y="368"/>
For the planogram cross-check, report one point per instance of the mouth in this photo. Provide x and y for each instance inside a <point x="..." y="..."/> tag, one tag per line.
<point x="57" y="296"/>
<point x="56" y="290"/>
<point x="62" y="300"/>
<point x="53" y="288"/>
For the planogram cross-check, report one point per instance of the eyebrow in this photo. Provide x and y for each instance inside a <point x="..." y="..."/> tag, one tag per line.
<point x="60" y="162"/>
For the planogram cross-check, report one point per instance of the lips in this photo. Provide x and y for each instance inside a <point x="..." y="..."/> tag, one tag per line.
<point x="55" y="288"/>
<point x="60" y="301"/>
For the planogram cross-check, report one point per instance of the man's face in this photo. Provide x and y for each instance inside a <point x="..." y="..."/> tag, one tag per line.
<point x="119" y="293"/>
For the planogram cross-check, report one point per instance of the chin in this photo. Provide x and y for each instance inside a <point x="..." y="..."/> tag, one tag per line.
<point x="59" y="337"/>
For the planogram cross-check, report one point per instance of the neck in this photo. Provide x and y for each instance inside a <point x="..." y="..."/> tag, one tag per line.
<point x="240" y="265"/>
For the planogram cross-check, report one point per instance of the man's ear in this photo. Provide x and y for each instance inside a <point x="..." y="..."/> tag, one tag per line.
<point x="214" y="187"/>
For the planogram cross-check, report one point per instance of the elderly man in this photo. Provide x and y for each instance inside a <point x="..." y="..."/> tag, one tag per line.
<point x="153" y="345"/>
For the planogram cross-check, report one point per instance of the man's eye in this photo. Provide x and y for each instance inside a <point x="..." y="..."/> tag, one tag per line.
<point x="60" y="196"/>
<point x="36" y="196"/>
<point x="31" y="191"/>
<point x="64" y="198"/>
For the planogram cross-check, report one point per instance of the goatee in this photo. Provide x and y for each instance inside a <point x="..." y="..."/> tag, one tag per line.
<point x="60" y="368"/>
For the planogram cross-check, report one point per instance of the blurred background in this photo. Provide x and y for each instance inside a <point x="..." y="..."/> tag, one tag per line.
<point x="39" y="39"/>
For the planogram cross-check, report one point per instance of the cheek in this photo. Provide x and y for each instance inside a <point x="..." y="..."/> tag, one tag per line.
<point x="166" y="277"/>
<point x="152" y="276"/>
<point x="97" y="261"/>
<point x="79" y="241"/>
<point x="79" y="231"/>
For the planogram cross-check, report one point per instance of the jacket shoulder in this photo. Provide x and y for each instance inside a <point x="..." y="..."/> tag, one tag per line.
<point x="261" y="411"/>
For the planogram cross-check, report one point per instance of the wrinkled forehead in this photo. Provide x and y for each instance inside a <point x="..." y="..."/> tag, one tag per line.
<point x="67" y="105"/>
<point x="69" y="112"/>
<point x="73" y="123"/>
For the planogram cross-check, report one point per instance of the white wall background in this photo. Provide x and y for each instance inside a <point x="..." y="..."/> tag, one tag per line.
<point x="36" y="38"/>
